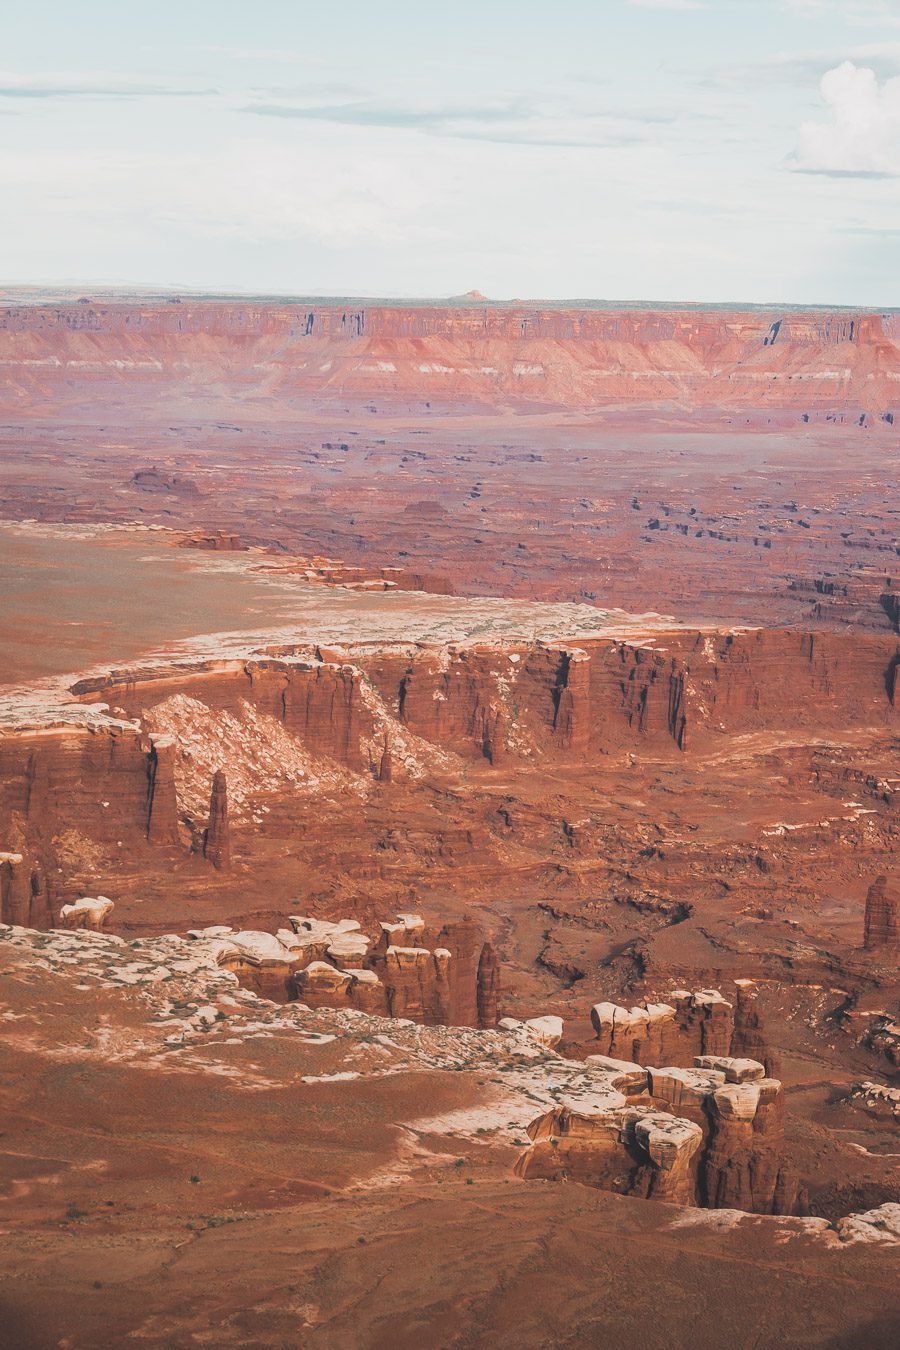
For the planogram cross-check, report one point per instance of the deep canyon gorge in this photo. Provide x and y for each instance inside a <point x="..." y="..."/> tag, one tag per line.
<point x="449" y="829"/>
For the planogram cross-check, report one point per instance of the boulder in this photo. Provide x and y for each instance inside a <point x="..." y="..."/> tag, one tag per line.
<point x="545" y="1030"/>
<point x="89" y="912"/>
<point x="735" y="1070"/>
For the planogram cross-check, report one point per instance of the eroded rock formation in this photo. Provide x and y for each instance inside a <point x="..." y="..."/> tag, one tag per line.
<point x="692" y="1024"/>
<point x="393" y="716"/>
<point x="488" y="989"/>
<point x="162" y="806"/>
<point x="329" y="964"/>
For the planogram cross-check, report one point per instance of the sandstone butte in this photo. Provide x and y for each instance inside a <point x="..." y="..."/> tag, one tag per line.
<point x="448" y="824"/>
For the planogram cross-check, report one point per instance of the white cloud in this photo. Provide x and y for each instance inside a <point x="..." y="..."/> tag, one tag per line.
<point x="882" y="57"/>
<point x="861" y="137"/>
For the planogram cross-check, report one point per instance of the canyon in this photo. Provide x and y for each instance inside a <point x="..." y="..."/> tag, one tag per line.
<point x="449" y="786"/>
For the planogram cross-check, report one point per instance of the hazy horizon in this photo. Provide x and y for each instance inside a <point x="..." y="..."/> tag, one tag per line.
<point x="110" y="291"/>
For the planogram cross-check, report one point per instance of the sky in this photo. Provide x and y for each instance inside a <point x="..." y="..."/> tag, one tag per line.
<point x="694" y="150"/>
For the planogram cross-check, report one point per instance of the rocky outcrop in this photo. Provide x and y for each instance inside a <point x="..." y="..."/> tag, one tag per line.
<point x="261" y="961"/>
<point x="707" y="1135"/>
<point x="572" y="701"/>
<point x="417" y="983"/>
<point x="94" y="775"/>
<point x="464" y="942"/>
<point x="882" y="921"/>
<point x="217" y="838"/>
<point x="743" y="1166"/>
<point x="881" y="1224"/>
<point x="692" y="1024"/>
<point x="546" y="1030"/>
<point x="416" y="978"/>
<point x="883" y="1036"/>
<point x="877" y="1099"/>
<point x="631" y="1149"/>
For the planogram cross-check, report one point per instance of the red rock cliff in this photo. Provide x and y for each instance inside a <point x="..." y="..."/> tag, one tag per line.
<point x="162" y="354"/>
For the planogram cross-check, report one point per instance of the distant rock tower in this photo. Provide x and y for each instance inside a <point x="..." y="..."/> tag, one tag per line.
<point x="882" y="914"/>
<point x="488" y="988"/>
<point x="217" y="843"/>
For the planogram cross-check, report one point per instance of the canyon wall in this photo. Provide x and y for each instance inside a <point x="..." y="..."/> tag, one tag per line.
<point x="394" y="714"/>
<point x="183" y="353"/>
<point x="97" y="781"/>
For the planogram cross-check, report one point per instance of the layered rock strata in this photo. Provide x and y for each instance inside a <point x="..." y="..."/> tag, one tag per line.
<point x="483" y="354"/>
